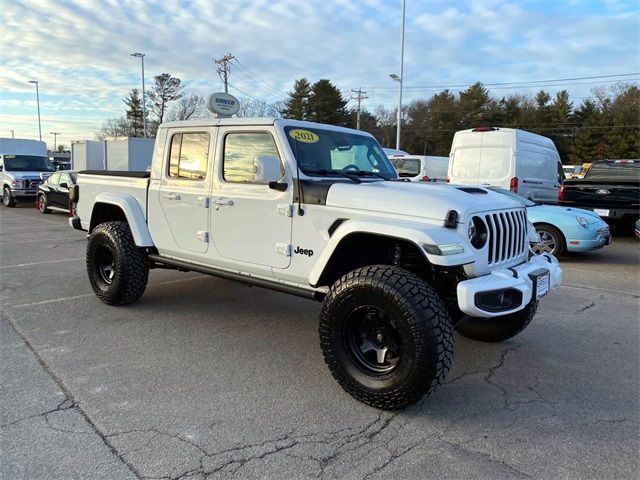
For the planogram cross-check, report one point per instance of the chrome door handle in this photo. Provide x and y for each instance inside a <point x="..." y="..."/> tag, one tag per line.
<point x="172" y="196"/>
<point x="222" y="201"/>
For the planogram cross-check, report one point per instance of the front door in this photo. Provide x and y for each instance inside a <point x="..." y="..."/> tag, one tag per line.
<point x="184" y="190"/>
<point x="251" y="222"/>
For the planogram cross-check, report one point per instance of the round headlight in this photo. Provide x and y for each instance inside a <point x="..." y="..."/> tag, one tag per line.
<point x="477" y="231"/>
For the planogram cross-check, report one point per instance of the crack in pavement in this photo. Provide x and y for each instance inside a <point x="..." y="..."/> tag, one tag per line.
<point x="66" y="404"/>
<point x="586" y="307"/>
<point x="67" y="393"/>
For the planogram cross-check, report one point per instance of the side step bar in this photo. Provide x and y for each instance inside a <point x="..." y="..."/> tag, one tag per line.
<point x="237" y="277"/>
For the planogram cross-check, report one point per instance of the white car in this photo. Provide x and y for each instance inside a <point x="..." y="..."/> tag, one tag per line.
<point x="313" y="210"/>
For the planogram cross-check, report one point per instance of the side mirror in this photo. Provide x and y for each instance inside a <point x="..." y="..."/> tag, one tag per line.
<point x="266" y="169"/>
<point x="64" y="185"/>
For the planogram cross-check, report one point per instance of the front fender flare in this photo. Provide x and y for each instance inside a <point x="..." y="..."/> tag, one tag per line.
<point x="133" y="213"/>
<point x="418" y="233"/>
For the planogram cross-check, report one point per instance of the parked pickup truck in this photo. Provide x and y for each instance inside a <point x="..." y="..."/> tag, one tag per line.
<point x="611" y="188"/>
<point x="315" y="211"/>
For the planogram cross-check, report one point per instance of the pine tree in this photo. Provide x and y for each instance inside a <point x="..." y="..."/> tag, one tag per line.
<point x="326" y="104"/>
<point x="166" y="89"/>
<point x="134" y="113"/>
<point x="296" y="106"/>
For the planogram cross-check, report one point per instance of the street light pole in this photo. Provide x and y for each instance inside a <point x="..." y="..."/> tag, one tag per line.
<point x="144" y="96"/>
<point x="38" y="100"/>
<point x="55" y="137"/>
<point x="401" y="77"/>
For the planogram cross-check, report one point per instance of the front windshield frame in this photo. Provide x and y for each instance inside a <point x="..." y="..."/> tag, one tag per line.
<point x="29" y="163"/>
<point x="374" y="163"/>
<point x="524" y="201"/>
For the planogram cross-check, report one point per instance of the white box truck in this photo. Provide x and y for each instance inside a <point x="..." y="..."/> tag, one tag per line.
<point x="523" y="162"/>
<point x="87" y="155"/>
<point x="128" y="154"/>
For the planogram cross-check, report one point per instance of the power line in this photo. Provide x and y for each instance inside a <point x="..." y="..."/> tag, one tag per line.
<point x="266" y="86"/>
<point x="524" y="84"/>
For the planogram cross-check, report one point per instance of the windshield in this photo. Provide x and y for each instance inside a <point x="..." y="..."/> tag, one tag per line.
<point x="524" y="201"/>
<point x="407" y="167"/>
<point x="27" y="163"/>
<point x="327" y="152"/>
<point x="617" y="170"/>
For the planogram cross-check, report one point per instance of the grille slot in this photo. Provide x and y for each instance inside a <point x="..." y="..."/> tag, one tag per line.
<point x="507" y="236"/>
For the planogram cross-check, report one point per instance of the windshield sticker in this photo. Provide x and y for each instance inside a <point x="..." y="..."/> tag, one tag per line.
<point x="304" y="136"/>
<point x="9" y="156"/>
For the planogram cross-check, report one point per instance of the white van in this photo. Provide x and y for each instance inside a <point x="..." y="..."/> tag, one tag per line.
<point x="421" y="168"/>
<point x="523" y="162"/>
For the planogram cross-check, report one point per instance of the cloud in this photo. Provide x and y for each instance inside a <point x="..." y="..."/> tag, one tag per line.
<point x="79" y="50"/>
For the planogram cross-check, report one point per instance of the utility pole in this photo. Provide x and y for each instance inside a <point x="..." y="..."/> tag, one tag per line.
<point x="55" y="137"/>
<point x="13" y="134"/>
<point x="223" y="69"/>
<point x="360" y="96"/>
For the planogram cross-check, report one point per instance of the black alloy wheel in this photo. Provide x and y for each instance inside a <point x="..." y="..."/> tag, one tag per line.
<point x="373" y="340"/>
<point x="105" y="264"/>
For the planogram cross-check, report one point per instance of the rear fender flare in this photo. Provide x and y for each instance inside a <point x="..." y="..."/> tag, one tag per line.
<point x="132" y="212"/>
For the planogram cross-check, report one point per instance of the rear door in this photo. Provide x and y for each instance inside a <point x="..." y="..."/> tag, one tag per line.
<point x="62" y="195"/>
<point x="184" y="189"/>
<point x="52" y="195"/>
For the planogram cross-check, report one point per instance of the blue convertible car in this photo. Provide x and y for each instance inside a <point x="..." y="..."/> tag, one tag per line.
<point x="564" y="229"/>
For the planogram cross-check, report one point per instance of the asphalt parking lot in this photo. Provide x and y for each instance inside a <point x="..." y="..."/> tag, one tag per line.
<point x="205" y="378"/>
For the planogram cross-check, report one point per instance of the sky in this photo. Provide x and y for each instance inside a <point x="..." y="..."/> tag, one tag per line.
<point x="79" y="50"/>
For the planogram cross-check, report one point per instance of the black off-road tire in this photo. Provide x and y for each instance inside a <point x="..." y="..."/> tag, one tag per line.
<point x="43" y="206"/>
<point x="130" y="264"/>
<point x="7" y="198"/>
<point x="497" y="329"/>
<point x="553" y="234"/>
<point x="422" y="322"/>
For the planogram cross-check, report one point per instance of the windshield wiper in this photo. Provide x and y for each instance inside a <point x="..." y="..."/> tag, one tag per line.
<point x="325" y="172"/>
<point x="364" y="173"/>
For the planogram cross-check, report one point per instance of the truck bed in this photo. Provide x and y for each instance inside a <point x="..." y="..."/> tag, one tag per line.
<point x="95" y="183"/>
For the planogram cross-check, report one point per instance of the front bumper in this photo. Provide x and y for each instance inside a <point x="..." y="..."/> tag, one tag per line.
<point x="23" y="193"/>
<point x="515" y="281"/>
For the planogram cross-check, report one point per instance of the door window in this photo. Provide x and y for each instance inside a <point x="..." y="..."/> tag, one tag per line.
<point x="188" y="155"/>
<point x="54" y="179"/>
<point x="240" y="149"/>
<point x="64" y="178"/>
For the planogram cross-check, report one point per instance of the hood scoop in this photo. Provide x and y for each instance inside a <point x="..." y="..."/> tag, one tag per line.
<point x="473" y="190"/>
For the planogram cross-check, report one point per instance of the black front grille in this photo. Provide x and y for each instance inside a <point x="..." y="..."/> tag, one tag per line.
<point x="32" y="183"/>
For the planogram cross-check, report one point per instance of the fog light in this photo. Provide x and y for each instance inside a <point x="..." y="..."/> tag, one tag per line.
<point x="499" y="300"/>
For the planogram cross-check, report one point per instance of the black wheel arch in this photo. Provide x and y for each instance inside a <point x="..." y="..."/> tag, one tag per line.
<point x="361" y="249"/>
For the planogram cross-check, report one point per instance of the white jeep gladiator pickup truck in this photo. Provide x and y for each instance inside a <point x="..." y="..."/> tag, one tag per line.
<point x="316" y="211"/>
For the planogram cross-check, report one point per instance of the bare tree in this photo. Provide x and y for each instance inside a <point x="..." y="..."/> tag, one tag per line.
<point x="191" y="106"/>
<point x="114" y="128"/>
<point x="255" y="108"/>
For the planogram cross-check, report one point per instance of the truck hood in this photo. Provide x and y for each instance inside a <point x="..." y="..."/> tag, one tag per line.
<point x="425" y="200"/>
<point x="28" y="175"/>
